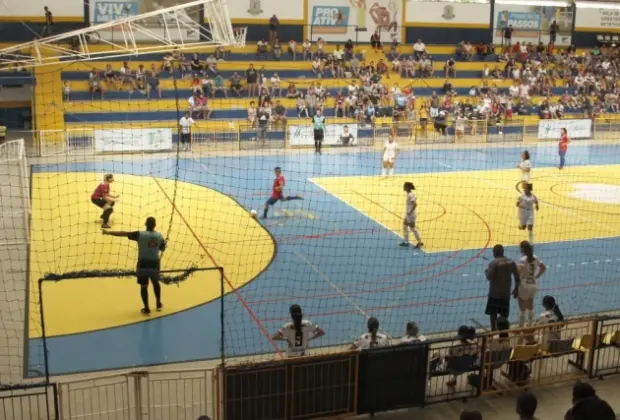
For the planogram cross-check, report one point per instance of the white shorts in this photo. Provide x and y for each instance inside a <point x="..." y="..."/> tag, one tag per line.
<point x="389" y="158"/>
<point x="526" y="218"/>
<point x="410" y="219"/>
<point x="525" y="177"/>
<point x="527" y="291"/>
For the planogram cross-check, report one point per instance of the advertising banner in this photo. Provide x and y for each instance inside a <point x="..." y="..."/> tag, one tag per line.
<point x="607" y="20"/>
<point x="577" y="129"/>
<point x="446" y="13"/>
<point x="263" y="10"/>
<point x="303" y="135"/>
<point x="341" y="20"/>
<point x="133" y="140"/>
<point x="533" y="23"/>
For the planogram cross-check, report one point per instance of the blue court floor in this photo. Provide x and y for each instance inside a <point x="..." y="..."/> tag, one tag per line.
<point x="338" y="263"/>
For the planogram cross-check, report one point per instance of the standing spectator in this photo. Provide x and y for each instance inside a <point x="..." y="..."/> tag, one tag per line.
<point x="274" y="25"/>
<point x="563" y="147"/>
<point x="49" y="21"/>
<point x="526" y="406"/>
<point x="185" y="126"/>
<point x="587" y="405"/>
<point x="373" y="338"/>
<point x="298" y="333"/>
<point x="553" y="32"/>
<point x="500" y="273"/>
<point x="375" y="41"/>
<point x="252" y="80"/>
<point x="450" y="68"/>
<point x="507" y="34"/>
<point x="412" y="334"/>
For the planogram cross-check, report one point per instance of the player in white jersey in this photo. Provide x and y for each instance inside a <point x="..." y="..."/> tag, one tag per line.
<point x="531" y="268"/>
<point x="550" y="315"/>
<point x="526" y="167"/>
<point x="528" y="205"/>
<point x="410" y="217"/>
<point x="298" y="333"/>
<point x="390" y="152"/>
<point x="372" y="338"/>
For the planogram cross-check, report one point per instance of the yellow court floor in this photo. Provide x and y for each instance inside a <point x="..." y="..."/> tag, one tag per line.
<point x="472" y="210"/>
<point x="209" y="228"/>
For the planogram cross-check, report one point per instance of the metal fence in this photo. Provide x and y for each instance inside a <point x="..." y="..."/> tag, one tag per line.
<point x="29" y="402"/>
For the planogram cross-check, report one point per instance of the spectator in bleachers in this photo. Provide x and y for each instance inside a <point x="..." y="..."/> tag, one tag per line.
<point x="350" y="104"/>
<point x="354" y="65"/>
<point x="307" y="50"/>
<point x="396" y="64"/>
<point x="471" y="415"/>
<point x="349" y="52"/>
<point x="526" y="406"/>
<point x="298" y="333"/>
<point x="311" y="102"/>
<point x="316" y="67"/>
<point x="252" y="113"/>
<point x="235" y="85"/>
<point x="200" y="85"/>
<point x="426" y="66"/>
<point x="196" y="63"/>
<point x="382" y="69"/>
<point x="261" y="49"/>
<point x="141" y="73"/>
<point x="339" y="105"/>
<point x="152" y="79"/>
<point x="252" y="80"/>
<point x="419" y="49"/>
<point x="408" y="68"/>
<point x="587" y="405"/>
<point x="466" y="337"/>
<point x="507" y="35"/>
<point x="276" y="90"/>
<point x="219" y="85"/>
<point x="66" y="91"/>
<point x="94" y="84"/>
<point x="450" y="68"/>
<point x="220" y="54"/>
<point x="211" y="64"/>
<point x="185" y="66"/>
<point x="110" y="76"/>
<point x="126" y="75"/>
<point x="279" y="114"/>
<point x="264" y="97"/>
<point x="375" y="41"/>
<point x="292" y="48"/>
<point x="373" y="338"/>
<point x="320" y="48"/>
<point x="277" y="50"/>
<point x="274" y="25"/>
<point x="302" y="108"/>
<point x="412" y="334"/>
<point x="482" y="50"/>
<point x="291" y="91"/>
<point x="551" y="315"/>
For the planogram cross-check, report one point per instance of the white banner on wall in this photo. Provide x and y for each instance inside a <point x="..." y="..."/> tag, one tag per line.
<point x="34" y="8"/>
<point x="303" y="135"/>
<point x="264" y="9"/>
<point x="448" y="13"/>
<point x="532" y="23"/>
<point x="341" y="20"/>
<point x="133" y="140"/>
<point x="604" y="19"/>
<point x="552" y="129"/>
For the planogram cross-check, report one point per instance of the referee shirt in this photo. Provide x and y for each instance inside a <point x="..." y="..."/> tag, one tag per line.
<point x="186" y="124"/>
<point x="319" y="122"/>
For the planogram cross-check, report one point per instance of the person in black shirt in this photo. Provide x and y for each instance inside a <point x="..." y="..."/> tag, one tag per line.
<point x="553" y="32"/>
<point x="508" y="31"/>
<point x="47" y="28"/>
<point x="500" y="273"/>
<point x="251" y="76"/>
<point x="348" y="50"/>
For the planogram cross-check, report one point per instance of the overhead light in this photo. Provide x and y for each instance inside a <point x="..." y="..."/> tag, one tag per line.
<point x="592" y="5"/>
<point x="549" y="3"/>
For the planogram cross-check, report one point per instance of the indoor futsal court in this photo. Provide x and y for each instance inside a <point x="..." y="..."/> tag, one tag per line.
<point x="335" y="253"/>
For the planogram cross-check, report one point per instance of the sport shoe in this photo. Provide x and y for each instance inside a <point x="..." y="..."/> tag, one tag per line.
<point x="419" y="245"/>
<point x="404" y="244"/>
<point x="160" y="306"/>
<point x="145" y="311"/>
<point x="105" y="226"/>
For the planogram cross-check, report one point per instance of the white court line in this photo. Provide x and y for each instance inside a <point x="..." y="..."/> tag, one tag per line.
<point x="331" y="283"/>
<point x="218" y="178"/>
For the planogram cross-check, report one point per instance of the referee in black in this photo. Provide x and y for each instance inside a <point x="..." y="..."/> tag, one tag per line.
<point x="318" y="122"/>
<point x="150" y="246"/>
<point x="499" y="274"/>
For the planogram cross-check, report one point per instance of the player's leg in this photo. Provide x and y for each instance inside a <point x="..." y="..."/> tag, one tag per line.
<point x="405" y="242"/>
<point x="529" y="304"/>
<point x="562" y="159"/>
<point x="157" y="290"/>
<point x="416" y="234"/>
<point x="522" y="306"/>
<point x="316" y="141"/>
<point x="530" y="232"/>
<point x="293" y="197"/>
<point x="491" y="311"/>
<point x="391" y="165"/>
<point x="385" y="165"/>
<point x="270" y="202"/>
<point x="143" y="281"/>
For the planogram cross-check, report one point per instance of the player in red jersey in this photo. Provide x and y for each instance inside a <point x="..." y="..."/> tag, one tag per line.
<point x="103" y="199"/>
<point x="563" y="147"/>
<point x="278" y="192"/>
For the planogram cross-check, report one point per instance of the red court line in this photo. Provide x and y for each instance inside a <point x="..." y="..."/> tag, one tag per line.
<point x="235" y="291"/>
<point x="443" y="301"/>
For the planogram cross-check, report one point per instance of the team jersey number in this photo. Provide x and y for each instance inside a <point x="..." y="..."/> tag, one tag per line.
<point x="153" y="243"/>
<point x="530" y="273"/>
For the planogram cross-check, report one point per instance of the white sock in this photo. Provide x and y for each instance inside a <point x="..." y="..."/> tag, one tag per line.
<point x="392" y="171"/>
<point x="383" y="172"/>
<point x="530" y="317"/>
<point x="531" y="236"/>
<point x="405" y="233"/>
<point x="417" y="235"/>
<point x="521" y="318"/>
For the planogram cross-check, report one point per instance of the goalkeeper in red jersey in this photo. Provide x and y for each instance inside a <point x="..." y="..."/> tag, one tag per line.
<point x="102" y="197"/>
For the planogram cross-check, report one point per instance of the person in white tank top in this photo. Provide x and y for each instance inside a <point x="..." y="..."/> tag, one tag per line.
<point x="531" y="269"/>
<point x="528" y="205"/>
<point x="410" y="217"/>
<point x="525" y="166"/>
<point x="298" y="333"/>
<point x="390" y="152"/>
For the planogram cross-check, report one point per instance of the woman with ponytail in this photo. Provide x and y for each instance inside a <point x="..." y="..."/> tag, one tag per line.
<point x="531" y="268"/>
<point x="551" y="315"/>
<point x="373" y="338"/>
<point x="298" y="333"/>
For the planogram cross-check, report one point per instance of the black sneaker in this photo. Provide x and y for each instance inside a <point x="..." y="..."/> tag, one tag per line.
<point x="105" y="226"/>
<point x="160" y="306"/>
<point x="419" y="245"/>
<point x="145" y="311"/>
<point x="404" y="244"/>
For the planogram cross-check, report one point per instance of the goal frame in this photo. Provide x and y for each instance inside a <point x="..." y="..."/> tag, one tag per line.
<point x="14" y="151"/>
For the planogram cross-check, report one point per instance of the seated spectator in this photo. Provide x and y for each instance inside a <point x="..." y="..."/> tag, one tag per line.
<point x="211" y="64"/>
<point x="426" y="66"/>
<point x="235" y="84"/>
<point x="66" y="91"/>
<point x="196" y="64"/>
<point x="220" y="53"/>
<point x="252" y="112"/>
<point x="373" y="338"/>
<point x="126" y="75"/>
<point x="316" y="67"/>
<point x="264" y="97"/>
<point x="450" y="68"/>
<point x="200" y="85"/>
<point x="320" y="48"/>
<point x="355" y="66"/>
<point x="94" y="84"/>
<point x="291" y="91"/>
<point x="277" y="50"/>
<point x="375" y="41"/>
<point x="202" y="104"/>
<point x="219" y="85"/>
<point x="348" y="50"/>
<point x="261" y="49"/>
<point x="470" y="415"/>
<point x="298" y="333"/>
<point x="587" y="405"/>
<point x="526" y="406"/>
<point x="185" y="66"/>
<point x="152" y="79"/>
<point x="468" y="50"/>
<point x="412" y="334"/>
<point x="275" y="86"/>
<point x="307" y="50"/>
<point x="459" y="51"/>
<point x="338" y="54"/>
<point x="292" y="48"/>
<point x="447" y="87"/>
<point x="482" y="50"/>
<point x="467" y="346"/>
<point x="419" y="49"/>
<point x="550" y="315"/>
<point x="339" y="106"/>
<point x="279" y="114"/>
<point x="302" y="108"/>
<point x="382" y="69"/>
<point x="110" y="76"/>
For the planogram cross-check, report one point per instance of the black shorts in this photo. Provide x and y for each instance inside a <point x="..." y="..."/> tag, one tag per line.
<point x="185" y="137"/>
<point x="318" y="135"/>
<point x="498" y="306"/>
<point x="99" y="202"/>
<point x="147" y="270"/>
<point x="272" y="200"/>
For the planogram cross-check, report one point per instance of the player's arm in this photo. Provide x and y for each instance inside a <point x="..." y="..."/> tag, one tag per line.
<point x="491" y="271"/>
<point x="316" y="333"/>
<point x="517" y="277"/>
<point x="278" y="336"/>
<point x="519" y="202"/>
<point x="536" y="202"/>
<point x="541" y="269"/>
<point x="122" y="234"/>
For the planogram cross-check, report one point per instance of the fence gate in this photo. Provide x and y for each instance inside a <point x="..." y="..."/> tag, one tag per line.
<point x="28" y="402"/>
